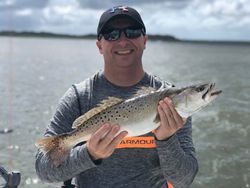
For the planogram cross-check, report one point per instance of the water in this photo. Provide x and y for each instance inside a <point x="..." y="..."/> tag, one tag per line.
<point x="35" y="73"/>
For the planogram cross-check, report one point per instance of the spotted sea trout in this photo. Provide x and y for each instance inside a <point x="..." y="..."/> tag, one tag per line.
<point x="137" y="115"/>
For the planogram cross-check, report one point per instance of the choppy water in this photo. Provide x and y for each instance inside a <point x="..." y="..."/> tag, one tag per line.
<point x="34" y="74"/>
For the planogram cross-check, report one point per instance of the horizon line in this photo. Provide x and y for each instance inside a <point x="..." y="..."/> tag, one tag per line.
<point x="162" y="37"/>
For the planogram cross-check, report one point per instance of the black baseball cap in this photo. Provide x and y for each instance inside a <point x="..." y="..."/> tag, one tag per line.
<point x="119" y="12"/>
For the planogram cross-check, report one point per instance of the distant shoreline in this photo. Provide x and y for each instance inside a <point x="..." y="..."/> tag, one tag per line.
<point x="93" y="36"/>
<point x="88" y="36"/>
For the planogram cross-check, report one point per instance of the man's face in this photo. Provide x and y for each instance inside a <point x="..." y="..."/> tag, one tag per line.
<point x="123" y="52"/>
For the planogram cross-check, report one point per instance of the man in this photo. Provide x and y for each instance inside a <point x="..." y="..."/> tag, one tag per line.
<point x="108" y="159"/>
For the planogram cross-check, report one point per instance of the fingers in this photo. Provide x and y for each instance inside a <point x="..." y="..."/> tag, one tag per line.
<point x="175" y="118"/>
<point x="168" y="115"/>
<point x="170" y="122"/>
<point x="117" y="139"/>
<point x="109" y="149"/>
<point x="166" y="129"/>
<point x="110" y="136"/>
<point x="96" y="137"/>
<point x="104" y="141"/>
<point x="162" y="113"/>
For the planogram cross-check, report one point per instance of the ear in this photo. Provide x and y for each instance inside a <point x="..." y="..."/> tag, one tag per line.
<point x="99" y="46"/>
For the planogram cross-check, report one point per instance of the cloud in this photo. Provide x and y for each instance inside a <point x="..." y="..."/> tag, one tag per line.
<point x="21" y="14"/>
<point x="110" y="3"/>
<point x="225" y="15"/>
<point x="222" y="8"/>
<point x="20" y="20"/>
<point x="193" y="19"/>
<point x="6" y="5"/>
<point x="67" y="20"/>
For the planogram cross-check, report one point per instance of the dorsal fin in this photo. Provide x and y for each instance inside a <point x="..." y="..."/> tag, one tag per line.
<point x="106" y="103"/>
<point x="144" y="90"/>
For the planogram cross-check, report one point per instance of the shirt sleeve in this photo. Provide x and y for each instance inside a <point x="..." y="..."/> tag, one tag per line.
<point x="177" y="157"/>
<point x="78" y="160"/>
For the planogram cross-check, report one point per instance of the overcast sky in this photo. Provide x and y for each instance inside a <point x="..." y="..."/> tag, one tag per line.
<point x="184" y="19"/>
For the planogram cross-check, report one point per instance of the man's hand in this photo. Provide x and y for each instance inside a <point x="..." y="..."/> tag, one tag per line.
<point x="104" y="141"/>
<point x="170" y="122"/>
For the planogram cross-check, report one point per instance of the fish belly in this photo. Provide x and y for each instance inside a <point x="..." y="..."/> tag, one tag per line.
<point x="141" y="127"/>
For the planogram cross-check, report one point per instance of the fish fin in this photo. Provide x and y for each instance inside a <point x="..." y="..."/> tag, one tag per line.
<point x="157" y="118"/>
<point x="110" y="101"/>
<point x="55" y="148"/>
<point x="144" y="90"/>
<point x="106" y="103"/>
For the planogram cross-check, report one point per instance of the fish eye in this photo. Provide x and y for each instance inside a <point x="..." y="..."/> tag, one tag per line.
<point x="200" y="89"/>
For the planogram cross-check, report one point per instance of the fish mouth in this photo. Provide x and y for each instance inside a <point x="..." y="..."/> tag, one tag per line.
<point x="216" y="92"/>
<point x="211" y="91"/>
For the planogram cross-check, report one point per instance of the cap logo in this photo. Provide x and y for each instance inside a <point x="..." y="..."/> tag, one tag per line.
<point x="122" y="8"/>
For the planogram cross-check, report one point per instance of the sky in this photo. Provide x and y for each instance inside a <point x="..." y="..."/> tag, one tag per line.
<point x="184" y="19"/>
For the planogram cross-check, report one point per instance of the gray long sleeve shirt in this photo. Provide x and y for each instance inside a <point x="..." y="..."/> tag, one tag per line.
<point x="172" y="160"/>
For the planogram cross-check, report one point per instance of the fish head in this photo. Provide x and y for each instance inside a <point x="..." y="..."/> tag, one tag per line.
<point x="194" y="97"/>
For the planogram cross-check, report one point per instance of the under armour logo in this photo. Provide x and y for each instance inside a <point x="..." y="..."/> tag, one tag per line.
<point x="122" y="8"/>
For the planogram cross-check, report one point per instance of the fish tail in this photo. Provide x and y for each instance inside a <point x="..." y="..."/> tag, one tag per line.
<point x="55" y="148"/>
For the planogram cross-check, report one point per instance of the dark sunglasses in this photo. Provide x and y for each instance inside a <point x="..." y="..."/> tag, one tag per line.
<point x="113" y="34"/>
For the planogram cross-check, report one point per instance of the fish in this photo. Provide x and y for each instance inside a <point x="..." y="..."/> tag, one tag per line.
<point x="137" y="115"/>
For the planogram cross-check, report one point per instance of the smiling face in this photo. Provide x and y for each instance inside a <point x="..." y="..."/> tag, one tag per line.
<point x="122" y="53"/>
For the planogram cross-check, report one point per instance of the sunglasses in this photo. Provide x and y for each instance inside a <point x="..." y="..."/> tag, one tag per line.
<point x="113" y="34"/>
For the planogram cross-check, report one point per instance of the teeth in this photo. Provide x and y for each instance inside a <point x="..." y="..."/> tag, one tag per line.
<point x="123" y="52"/>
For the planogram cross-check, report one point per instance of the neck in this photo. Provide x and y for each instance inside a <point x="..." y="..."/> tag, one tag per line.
<point x="124" y="77"/>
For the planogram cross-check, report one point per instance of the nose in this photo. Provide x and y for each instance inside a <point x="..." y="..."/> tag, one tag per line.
<point x="122" y="40"/>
